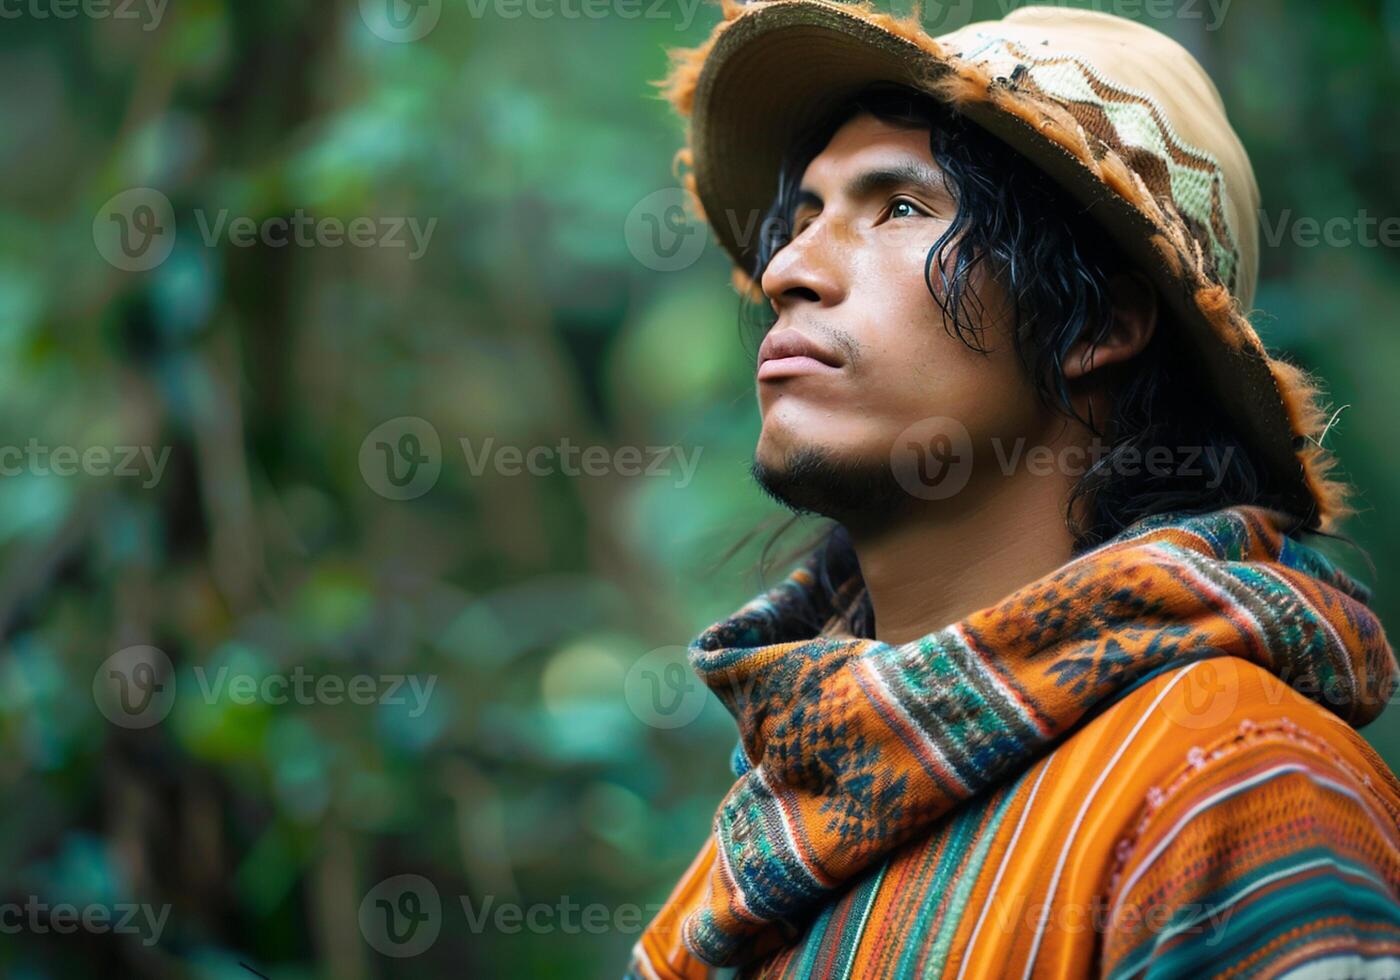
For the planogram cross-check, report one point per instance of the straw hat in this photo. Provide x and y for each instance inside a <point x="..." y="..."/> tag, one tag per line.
<point x="1118" y="114"/>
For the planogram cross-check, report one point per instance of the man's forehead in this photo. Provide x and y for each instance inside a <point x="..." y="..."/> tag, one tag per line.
<point x="867" y="143"/>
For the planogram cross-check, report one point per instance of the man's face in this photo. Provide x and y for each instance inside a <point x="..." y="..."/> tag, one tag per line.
<point x="850" y="287"/>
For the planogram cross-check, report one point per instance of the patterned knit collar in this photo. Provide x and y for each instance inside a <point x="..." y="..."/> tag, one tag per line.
<point x="787" y="611"/>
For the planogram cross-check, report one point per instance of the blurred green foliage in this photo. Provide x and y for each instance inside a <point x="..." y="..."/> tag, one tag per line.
<point x="263" y="548"/>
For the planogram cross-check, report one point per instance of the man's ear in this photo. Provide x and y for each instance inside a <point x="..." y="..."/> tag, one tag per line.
<point x="1133" y="300"/>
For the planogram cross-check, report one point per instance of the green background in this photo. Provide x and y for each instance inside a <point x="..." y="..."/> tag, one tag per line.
<point x="529" y="318"/>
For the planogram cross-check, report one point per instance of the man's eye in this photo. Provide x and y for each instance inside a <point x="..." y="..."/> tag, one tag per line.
<point x="904" y="209"/>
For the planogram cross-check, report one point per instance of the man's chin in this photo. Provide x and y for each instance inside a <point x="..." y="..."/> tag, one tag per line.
<point x="813" y="480"/>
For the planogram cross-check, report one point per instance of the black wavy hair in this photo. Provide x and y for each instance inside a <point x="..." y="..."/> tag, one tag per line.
<point x="1055" y="264"/>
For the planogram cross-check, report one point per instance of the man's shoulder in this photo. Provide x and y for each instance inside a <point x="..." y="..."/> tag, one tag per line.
<point x="1262" y="805"/>
<point x="1209" y="703"/>
<point x="1215" y="722"/>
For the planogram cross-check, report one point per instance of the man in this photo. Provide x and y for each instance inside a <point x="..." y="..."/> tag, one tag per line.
<point x="1063" y="692"/>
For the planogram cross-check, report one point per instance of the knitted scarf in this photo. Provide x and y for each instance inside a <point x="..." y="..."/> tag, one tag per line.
<point x="850" y="746"/>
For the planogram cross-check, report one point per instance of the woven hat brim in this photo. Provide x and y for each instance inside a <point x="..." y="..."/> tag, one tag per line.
<point x="779" y="68"/>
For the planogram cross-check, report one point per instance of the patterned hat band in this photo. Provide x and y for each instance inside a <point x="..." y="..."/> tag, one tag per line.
<point x="1133" y="125"/>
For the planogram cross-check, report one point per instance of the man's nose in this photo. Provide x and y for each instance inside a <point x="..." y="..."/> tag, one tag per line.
<point x="809" y="269"/>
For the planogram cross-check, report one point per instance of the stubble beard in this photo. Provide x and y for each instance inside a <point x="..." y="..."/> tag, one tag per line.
<point x="811" y="480"/>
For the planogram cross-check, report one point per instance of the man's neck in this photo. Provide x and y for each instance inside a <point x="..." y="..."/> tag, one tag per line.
<point x="936" y="569"/>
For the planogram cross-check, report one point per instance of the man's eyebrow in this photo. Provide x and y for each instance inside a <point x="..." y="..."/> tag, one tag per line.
<point x="912" y="174"/>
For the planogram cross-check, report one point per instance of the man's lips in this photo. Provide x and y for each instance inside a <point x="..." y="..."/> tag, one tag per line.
<point x="791" y="367"/>
<point x="787" y="354"/>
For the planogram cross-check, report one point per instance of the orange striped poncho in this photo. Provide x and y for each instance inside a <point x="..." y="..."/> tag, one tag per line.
<point x="1144" y="764"/>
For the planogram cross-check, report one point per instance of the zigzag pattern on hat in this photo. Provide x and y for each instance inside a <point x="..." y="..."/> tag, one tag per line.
<point x="1128" y="120"/>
